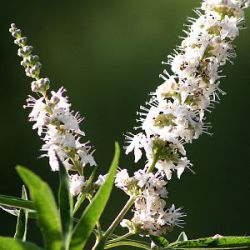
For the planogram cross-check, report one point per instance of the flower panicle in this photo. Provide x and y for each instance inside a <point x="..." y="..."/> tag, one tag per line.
<point x="176" y="112"/>
<point x="55" y="122"/>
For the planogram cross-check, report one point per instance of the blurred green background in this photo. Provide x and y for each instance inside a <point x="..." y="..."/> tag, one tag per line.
<point x="107" y="55"/>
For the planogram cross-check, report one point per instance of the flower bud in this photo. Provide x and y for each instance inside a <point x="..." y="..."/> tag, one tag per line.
<point x="21" y="41"/>
<point x="40" y="85"/>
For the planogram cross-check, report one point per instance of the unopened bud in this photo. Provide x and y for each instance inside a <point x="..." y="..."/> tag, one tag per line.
<point x="21" y="41"/>
<point x="54" y="100"/>
<point x="41" y="85"/>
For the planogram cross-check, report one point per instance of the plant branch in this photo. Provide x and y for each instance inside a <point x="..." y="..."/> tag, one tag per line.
<point x="128" y="243"/>
<point x="119" y="238"/>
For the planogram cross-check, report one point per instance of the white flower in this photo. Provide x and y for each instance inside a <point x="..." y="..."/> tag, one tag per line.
<point x="60" y="101"/>
<point x="229" y="28"/>
<point x="167" y="89"/>
<point x="76" y="184"/>
<point x="166" y="167"/>
<point x="184" y="66"/>
<point x="55" y="122"/>
<point x="53" y="162"/>
<point x="38" y="114"/>
<point x="70" y="121"/>
<point x="122" y="179"/>
<point x="101" y="179"/>
<point x="175" y="114"/>
<point x="174" y="216"/>
<point x="86" y="157"/>
<point x="141" y="177"/>
<point x="136" y="142"/>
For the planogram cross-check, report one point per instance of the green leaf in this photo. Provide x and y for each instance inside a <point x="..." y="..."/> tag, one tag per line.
<point x="214" y="242"/>
<point x="22" y="220"/>
<point x="7" y="243"/>
<point x="16" y="202"/>
<point x="94" y="210"/>
<point x="45" y="205"/>
<point x="182" y="237"/>
<point x="159" y="241"/>
<point x="65" y="206"/>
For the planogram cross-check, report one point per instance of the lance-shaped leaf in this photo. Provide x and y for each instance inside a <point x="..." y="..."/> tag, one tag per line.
<point x="214" y="242"/>
<point x="65" y="201"/>
<point x="45" y="205"/>
<point x="22" y="220"/>
<point x="159" y="241"/>
<point x="7" y="243"/>
<point x="16" y="202"/>
<point x="94" y="210"/>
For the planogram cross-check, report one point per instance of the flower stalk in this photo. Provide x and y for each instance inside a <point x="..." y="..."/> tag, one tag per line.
<point x="114" y="224"/>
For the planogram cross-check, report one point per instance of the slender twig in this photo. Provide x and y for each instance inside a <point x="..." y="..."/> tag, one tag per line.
<point x="155" y="159"/>
<point x="128" y="243"/>
<point x="119" y="238"/>
<point x="100" y="242"/>
<point x="120" y="216"/>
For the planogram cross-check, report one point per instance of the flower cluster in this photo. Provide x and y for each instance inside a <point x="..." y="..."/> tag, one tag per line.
<point x="55" y="122"/>
<point x="150" y="213"/>
<point x="175" y="114"/>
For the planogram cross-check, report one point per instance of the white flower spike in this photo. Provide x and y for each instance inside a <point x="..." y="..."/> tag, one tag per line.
<point x="175" y="115"/>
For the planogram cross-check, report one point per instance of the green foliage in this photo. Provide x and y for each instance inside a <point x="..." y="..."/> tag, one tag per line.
<point x="7" y="243"/>
<point x="132" y="243"/>
<point x="22" y="220"/>
<point x="94" y="210"/>
<point x="213" y="242"/>
<point x="47" y="212"/>
<point x="159" y="241"/>
<point x="11" y="201"/>
<point x="65" y="205"/>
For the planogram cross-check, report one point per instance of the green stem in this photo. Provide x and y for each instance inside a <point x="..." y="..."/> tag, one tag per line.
<point x="155" y="159"/>
<point x="100" y="242"/>
<point x="128" y="243"/>
<point x="120" y="216"/>
<point x="119" y="238"/>
<point x="99" y="230"/>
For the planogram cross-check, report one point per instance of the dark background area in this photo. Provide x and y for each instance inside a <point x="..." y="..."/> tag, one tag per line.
<point x="107" y="55"/>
